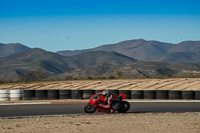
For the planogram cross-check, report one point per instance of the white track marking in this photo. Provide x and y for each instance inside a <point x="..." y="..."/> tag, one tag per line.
<point x="165" y="101"/>
<point x="25" y="103"/>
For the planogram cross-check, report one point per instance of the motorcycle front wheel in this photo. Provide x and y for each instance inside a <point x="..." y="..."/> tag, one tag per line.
<point x="89" y="108"/>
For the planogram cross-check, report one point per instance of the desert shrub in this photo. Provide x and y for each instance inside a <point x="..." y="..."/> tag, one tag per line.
<point x="119" y="73"/>
<point x="69" y="77"/>
<point x="33" y="75"/>
<point x="101" y="78"/>
<point x="1" y="81"/>
<point x="111" y="77"/>
<point x="189" y="75"/>
<point x="89" y="77"/>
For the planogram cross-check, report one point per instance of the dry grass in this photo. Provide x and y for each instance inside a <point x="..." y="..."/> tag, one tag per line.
<point x="128" y="84"/>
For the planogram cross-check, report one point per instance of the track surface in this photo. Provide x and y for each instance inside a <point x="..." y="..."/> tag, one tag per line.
<point x="77" y="108"/>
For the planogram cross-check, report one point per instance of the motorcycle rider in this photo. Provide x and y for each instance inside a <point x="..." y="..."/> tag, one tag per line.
<point x="111" y="100"/>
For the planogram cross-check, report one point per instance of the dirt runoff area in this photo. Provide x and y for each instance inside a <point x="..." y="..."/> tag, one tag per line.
<point x="105" y="123"/>
<point x="118" y="84"/>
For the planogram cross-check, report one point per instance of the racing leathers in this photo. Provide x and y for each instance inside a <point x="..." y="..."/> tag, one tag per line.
<point x="112" y="102"/>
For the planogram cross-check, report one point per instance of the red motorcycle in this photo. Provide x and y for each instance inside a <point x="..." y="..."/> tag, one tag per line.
<point x="97" y="99"/>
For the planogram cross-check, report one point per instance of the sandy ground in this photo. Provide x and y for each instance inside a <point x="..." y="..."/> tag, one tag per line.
<point x="119" y="84"/>
<point x="106" y="123"/>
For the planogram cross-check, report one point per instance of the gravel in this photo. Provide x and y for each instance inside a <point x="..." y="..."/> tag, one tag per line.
<point x="105" y="123"/>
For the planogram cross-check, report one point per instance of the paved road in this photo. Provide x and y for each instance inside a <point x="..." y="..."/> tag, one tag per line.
<point x="77" y="108"/>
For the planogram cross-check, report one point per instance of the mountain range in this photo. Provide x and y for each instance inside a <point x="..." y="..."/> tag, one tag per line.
<point x="133" y="58"/>
<point x="142" y="50"/>
<point x="52" y="64"/>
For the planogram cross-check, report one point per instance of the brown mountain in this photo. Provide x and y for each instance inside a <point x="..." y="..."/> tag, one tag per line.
<point x="90" y="64"/>
<point x="12" y="48"/>
<point x="142" y="50"/>
<point x="13" y="66"/>
<point x="107" y="60"/>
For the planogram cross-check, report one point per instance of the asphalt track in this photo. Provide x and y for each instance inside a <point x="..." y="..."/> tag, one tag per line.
<point x="40" y="109"/>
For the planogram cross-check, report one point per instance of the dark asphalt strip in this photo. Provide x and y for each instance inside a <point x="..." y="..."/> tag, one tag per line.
<point x="77" y="108"/>
<point x="40" y="109"/>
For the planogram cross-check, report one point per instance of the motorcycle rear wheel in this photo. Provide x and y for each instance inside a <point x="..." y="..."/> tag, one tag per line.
<point x="124" y="107"/>
<point x="89" y="108"/>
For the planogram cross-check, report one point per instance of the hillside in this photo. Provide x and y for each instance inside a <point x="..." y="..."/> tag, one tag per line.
<point x="53" y="64"/>
<point x="142" y="50"/>
<point x="94" y="64"/>
<point x="137" y="70"/>
<point x="18" y="64"/>
<point x="175" y="57"/>
<point x="12" y="48"/>
<point x="101" y="57"/>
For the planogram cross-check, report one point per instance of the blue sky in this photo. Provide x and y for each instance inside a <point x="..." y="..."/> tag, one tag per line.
<point x="80" y="24"/>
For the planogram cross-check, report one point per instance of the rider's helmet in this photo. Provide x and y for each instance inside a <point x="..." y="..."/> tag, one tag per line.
<point x="105" y="92"/>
